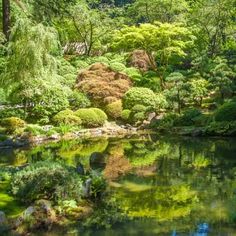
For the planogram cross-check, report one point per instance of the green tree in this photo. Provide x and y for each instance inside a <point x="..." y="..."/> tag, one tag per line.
<point x="152" y="10"/>
<point x="199" y="89"/>
<point x="161" y="41"/>
<point x="213" y="22"/>
<point x="177" y="90"/>
<point x="87" y="26"/>
<point x="221" y="77"/>
<point x="31" y="70"/>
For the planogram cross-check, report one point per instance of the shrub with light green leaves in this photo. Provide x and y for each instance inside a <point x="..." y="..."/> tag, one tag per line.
<point x="139" y="108"/>
<point x="114" y="109"/>
<point x="117" y="66"/>
<point x="139" y="116"/>
<point x="125" y="114"/>
<point x="12" y="124"/>
<point x="66" y="117"/>
<point x="79" y="100"/>
<point x="145" y="97"/>
<point x="91" y="117"/>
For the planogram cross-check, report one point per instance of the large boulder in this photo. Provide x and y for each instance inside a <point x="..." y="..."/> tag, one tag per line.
<point x="102" y="84"/>
<point x="140" y="60"/>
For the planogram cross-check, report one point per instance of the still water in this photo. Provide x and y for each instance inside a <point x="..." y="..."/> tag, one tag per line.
<point x="165" y="185"/>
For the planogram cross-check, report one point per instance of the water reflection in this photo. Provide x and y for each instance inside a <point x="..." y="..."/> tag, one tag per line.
<point x="167" y="186"/>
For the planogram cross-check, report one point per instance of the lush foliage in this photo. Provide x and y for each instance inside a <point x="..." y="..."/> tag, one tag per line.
<point x="145" y="97"/>
<point x="226" y="112"/>
<point x="91" y="117"/>
<point x="114" y="109"/>
<point x="66" y="117"/>
<point x="12" y="124"/>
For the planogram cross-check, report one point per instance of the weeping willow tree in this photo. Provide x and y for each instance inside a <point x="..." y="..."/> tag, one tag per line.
<point x="30" y="77"/>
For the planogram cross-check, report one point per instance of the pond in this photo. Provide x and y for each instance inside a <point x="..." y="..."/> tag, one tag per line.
<point x="165" y="185"/>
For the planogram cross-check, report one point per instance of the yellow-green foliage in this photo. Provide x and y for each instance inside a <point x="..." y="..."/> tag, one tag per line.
<point x="91" y="117"/>
<point x="66" y="117"/>
<point x="12" y="124"/>
<point x="201" y="162"/>
<point x="114" y="109"/>
<point x="125" y="114"/>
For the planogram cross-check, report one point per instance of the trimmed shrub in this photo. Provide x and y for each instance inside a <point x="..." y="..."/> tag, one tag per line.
<point x="12" y="124"/>
<point x="116" y="66"/>
<point x="79" y="100"/>
<point x="102" y="115"/>
<point x="140" y="116"/>
<point x="139" y="108"/>
<point x="91" y="117"/>
<point x="143" y="96"/>
<point x="114" y="109"/>
<point x="226" y="112"/>
<point x="125" y="114"/>
<point x="66" y="117"/>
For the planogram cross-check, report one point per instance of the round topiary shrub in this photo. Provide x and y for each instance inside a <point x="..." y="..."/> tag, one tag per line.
<point x="139" y="108"/>
<point x="79" y="100"/>
<point x="12" y="124"/>
<point x="143" y="96"/>
<point x="66" y="117"/>
<point x="114" y="109"/>
<point x="117" y="66"/>
<point x="140" y="116"/>
<point x="125" y="114"/>
<point x="226" y="112"/>
<point x="91" y="117"/>
<point x="100" y="113"/>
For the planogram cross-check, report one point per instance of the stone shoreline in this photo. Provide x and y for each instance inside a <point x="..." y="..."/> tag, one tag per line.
<point x="109" y="131"/>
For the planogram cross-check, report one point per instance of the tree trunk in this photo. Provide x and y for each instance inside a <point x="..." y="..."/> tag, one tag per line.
<point x="6" y="18"/>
